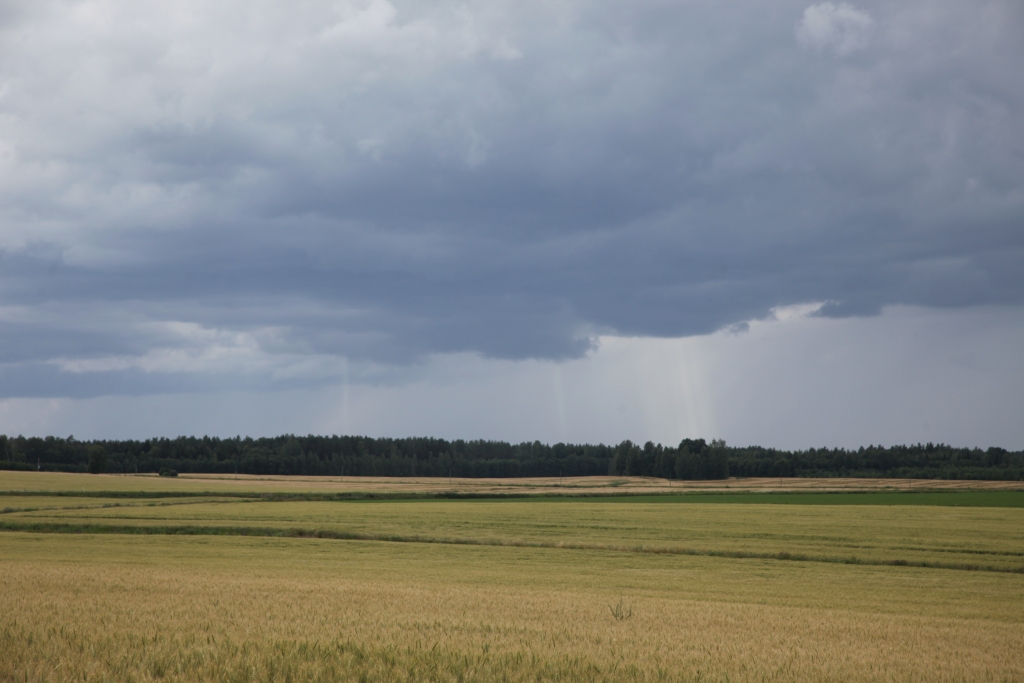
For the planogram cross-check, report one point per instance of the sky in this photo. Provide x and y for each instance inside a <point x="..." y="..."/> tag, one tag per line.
<point x="776" y="223"/>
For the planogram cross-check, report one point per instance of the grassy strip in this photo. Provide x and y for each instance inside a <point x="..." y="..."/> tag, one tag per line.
<point x="315" y="496"/>
<point x="295" y="532"/>
<point x="1010" y="499"/>
<point x="337" y="496"/>
<point x="135" y="494"/>
<point x="8" y="510"/>
<point x="958" y="551"/>
<point x="942" y="498"/>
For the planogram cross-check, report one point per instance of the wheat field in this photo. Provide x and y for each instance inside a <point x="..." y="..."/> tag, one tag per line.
<point x="13" y="482"/>
<point x="568" y="590"/>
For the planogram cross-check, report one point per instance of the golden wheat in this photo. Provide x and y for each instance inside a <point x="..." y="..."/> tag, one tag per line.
<point x="505" y="590"/>
<point x="186" y="483"/>
<point x="227" y="609"/>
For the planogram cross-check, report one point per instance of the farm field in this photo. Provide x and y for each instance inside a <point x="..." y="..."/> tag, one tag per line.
<point x="241" y="588"/>
<point x="943" y="535"/>
<point x="14" y="482"/>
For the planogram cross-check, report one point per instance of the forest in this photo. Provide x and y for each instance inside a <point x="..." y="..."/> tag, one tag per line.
<point x="691" y="459"/>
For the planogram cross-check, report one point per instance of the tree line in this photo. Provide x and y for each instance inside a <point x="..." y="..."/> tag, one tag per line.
<point x="691" y="459"/>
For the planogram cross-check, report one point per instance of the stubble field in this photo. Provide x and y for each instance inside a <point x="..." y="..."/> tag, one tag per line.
<point x="105" y="585"/>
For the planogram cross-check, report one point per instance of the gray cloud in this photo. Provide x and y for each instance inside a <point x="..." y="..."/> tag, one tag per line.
<point x="249" y="194"/>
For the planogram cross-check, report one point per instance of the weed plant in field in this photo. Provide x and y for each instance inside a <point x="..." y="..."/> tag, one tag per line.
<point x="621" y="611"/>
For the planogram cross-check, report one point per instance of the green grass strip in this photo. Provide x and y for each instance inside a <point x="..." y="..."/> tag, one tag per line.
<point x="190" y="530"/>
<point x="104" y="506"/>
<point x="1006" y="499"/>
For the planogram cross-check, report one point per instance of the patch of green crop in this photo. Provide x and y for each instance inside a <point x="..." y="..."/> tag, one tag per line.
<point x="938" y="536"/>
<point x="1008" y="499"/>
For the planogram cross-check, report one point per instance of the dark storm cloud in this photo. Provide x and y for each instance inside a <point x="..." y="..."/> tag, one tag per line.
<point x="199" y="197"/>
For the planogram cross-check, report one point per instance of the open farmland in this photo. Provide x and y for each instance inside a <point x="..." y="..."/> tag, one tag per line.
<point x="68" y="483"/>
<point x="110" y="584"/>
